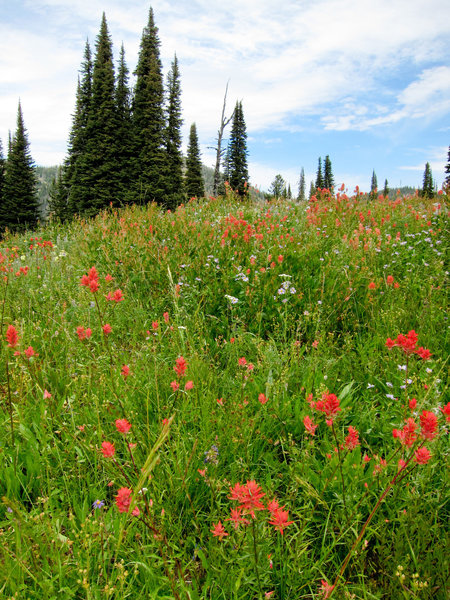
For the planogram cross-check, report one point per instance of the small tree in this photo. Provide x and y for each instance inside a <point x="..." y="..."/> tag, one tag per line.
<point x="312" y="190"/>
<point x="277" y="187"/>
<point x="238" y="152"/>
<point x="386" y="189"/>
<point x="428" y="184"/>
<point x="328" y="179"/>
<point x="373" y="186"/>
<point x="447" y="170"/>
<point x="302" y="187"/>
<point x="194" y="184"/>
<point x="319" y="178"/>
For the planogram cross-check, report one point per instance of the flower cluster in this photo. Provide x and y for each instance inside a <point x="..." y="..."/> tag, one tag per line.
<point x="91" y="280"/>
<point x="408" y="343"/>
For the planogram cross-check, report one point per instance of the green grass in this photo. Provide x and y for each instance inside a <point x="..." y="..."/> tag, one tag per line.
<point x="283" y="285"/>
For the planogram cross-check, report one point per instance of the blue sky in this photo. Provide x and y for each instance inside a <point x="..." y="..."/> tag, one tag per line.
<point x="365" y="81"/>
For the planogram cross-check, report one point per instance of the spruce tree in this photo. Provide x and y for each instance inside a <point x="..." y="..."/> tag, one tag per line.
<point x="194" y="184"/>
<point x="386" y="189"/>
<point x="20" y="206"/>
<point x="447" y="170"/>
<point x="302" y="187"/>
<point x="278" y="187"/>
<point x="238" y="152"/>
<point x="124" y="132"/>
<point x="174" y="179"/>
<point x="58" y="197"/>
<point x="148" y="119"/>
<point x="319" y="178"/>
<point x="373" y="186"/>
<point x="428" y="185"/>
<point x="72" y="179"/>
<point x="312" y="190"/>
<point x="328" y="179"/>
<point x="2" y="182"/>
<point x="289" y="192"/>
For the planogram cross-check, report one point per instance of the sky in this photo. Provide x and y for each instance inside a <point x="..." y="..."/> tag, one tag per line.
<point x="366" y="82"/>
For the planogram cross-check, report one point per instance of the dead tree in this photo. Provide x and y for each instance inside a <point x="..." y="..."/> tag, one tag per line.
<point x="219" y="151"/>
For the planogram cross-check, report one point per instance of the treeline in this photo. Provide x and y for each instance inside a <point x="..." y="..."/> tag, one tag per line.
<point x="125" y="143"/>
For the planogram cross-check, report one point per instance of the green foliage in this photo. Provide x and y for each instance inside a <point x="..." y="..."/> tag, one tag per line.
<point x="373" y="186"/>
<point x="302" y="187"/>
<point x="174" y="177"/>
<point x="447" y="170"/>
<point x="328" y="179"/>
<point x="319" y="177"/>
<point x="194" y="184"/>
<point x="124" y="131"/>
<point x="277" y="187"/>
<point x="428" y="184"/>
<point x="386" y="189"/>
<point x="238" y="169"/>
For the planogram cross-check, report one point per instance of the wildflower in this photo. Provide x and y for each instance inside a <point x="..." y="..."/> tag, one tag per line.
<point x="118" y="296"/>
<point x="423" y="353"/>
<point x="189" y="385"/>
<point x="219" y="401"/>
<point x="81" y="333"/>
<point x="262" y="398"/>
<point x="280" y="519"/>
<point x="165" y="422"/>
<point x="123" y="499"/>
<point x="237" y="518"/>
<point x="155" y="325"/>
<point x="309" y="425"/>
<point x="219" y="531"/>
<point x="108" y="278"/>
<point x="249" y="496"/>
<point x="175" y="385"/>
<point x="123" y="426"/>
<point x="29" y="352"/>
<point x="352" y="439"/>
<point x="108" y="449"/>
<point x="328" y="405"/>
<point x="446" y="412"/>
<point x="372" y="285"/>
<point x="166" y="317"/>
<point x="202" y="472"/>
<point x="412" y="403"/>
<point x="315" y="343"/>
<point x="88" y="333"/>
<point x="47" y="395"/>
<point x="12" y="337"/>
<point x="90" y="280"/>
<point x="107" y="329"/>
<point x="428" y="424"/>
<point x="180" y="366"/>
<point x="97" y="504"/>
<point x="125" y="371"/>
<point x="325" y="588"/>
<point x="401" y="464"/>
<point x="212" y="455"/>
<point x="407" y="435"/>
<point x="389" y="280"/>
<point x="422" y="455"/>
<point x="242" y="361"/>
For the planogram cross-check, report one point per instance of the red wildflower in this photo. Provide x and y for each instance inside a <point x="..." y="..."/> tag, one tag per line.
<point x="219" y="531"/>
<point x="189" y="385"/>
<point x="47" y="395"/>
<point x="412" y="403"/>
<point x="123" y="499"/>
<point x="423" y="353"/>
<point x="91" y="280"/>
<point x="242" y="361"/>
<point x="29" y="352"/>
<point x="422" y="455"/>
<point x="107" y="329"/>
<point x="123" y="426"/>
<point x="262" y="398"/>
<point x="118" y="296"/>
<point x="12" y="337"/>
<point x="428" y="424"/>
<point x="125" y="371"/>
<point x="180" y="366"/>
<point x="389" y="280"/>
<point x="446" y="412"/>
<point x="166" y="317"/>
<point x="280" y="519"/>
<point x="352" y="440"/>
<point x="108" y="449"/>
<point x="108" y="278"/>
<point x="328" y="405"/>
<point x="249" y="496"/>
<point x="372" y="285"/>
<point x="237" y="518"/>
<point x="407" y="435"/>
<point x="155" y="325"/>
<point x="175" y="385"/>
<point x="309" y="425"/>
<point x="325" y="588"/>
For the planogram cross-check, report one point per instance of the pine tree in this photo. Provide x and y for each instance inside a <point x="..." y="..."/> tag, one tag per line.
<point x="57" y="204"/>
<point x="428" y="184"/>
<point x="194" y="184"/>
<point x="386" y="189"/>
<point x="72" y="176"/>
<point x="302" y="187"/>
<point x="150" y="163"/>
<point x="20" y="206"/>
<point x="278" y="187"/>
<point x="312" y="190"/>
<point x="447" y="170"/>
<point x="328" y="179"/>
<point x="373" y="186"/>
<point x="319" y="178"/>
<point x="2" y="181"/>
<point x="238" y="152"/>
<point x="174" y="182"/>
<point x="124" y="132"/>
<point x="289" y="192"/>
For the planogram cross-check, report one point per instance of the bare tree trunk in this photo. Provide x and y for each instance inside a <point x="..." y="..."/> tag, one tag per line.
<point x="219" y="152"/>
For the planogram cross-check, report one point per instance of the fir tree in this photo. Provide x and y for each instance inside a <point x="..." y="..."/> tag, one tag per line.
<point x="72" y="176"/>
<point x="124" y="132"/>
<point x="319" y="178"/>
<point x="428" y="184"/>
<point x="20" y="206"/>
<point x="2" y="180"/>
<point x="386" y="189"/>
<point x="289" y="192"/>
<point x="302" y="187"/>
<point x="312" y="190"/>
<point x="278" y="187"/>
<point x="328" y="179"/>
<point x="148" y="119"/>
<point x="174" y="183"/>
<point x="373" y="186"/>
<point x="58" y="197"/>
<point x="194" y="184"/>
<point x="238" y="152"/>
<point x="447" y="170"/>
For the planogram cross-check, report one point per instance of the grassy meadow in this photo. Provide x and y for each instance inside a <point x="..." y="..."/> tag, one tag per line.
<point x="234" y="401"/>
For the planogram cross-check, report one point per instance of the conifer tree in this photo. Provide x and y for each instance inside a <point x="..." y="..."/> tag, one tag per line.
<point x="124" y="132"/>
<point x="302" y="187"/>
<point x="72" y="177"/>
<point x="2" y="180"/>
<point x="428" y="184"/>
<point x="373" y="186"/>
<point x="447" y="170"/>
<point x="386" y="189"/>
<point x="194" y="184"/>
<point x="20" y="206"/>
<point x="238" y="152"/>
<point x="58" y="197"/>
<point x="289" y="192"/>
<point x="174" y="182"/>
<point x="319" y="178"/>
<point x="328" y="179"/>
<point x="278" y="187"/>
<point x="148" y="119"/>
<point x="312" y="190"/>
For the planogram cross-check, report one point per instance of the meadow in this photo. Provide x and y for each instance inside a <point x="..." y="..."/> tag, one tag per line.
<point x="235" y="400"/>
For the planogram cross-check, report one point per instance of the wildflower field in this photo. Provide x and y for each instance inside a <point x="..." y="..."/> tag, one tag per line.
<point x="236" y="400"/>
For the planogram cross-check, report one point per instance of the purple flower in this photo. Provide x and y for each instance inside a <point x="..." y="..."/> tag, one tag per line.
<point x="97" y="504"/>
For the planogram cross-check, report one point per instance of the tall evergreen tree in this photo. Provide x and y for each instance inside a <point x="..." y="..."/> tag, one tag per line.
<point x="2" y="180"/>
<point x="174" y="182"/>
<point x="238" y="152"/>
<point x="302" y="187"/>
<point x="312" y="190"/>
<point x="194" y="184"/>
<point x="148" y="119"/>
<point x="328" y="179"/>
<point x="20" y="206"/>
<point x="70" y="184"/>
<point x="373" y="186"/>
<point x="428" y="184"/>
<point x="319" y="177"/>
<point x="57" y="204"/>
<point x="386" y="189"/>
<point x="447" y="170"/>
<point x="124" y="132"/>
<point x="278" y="187"/>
